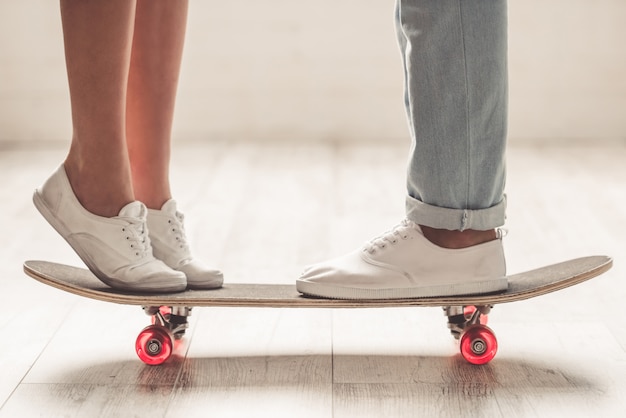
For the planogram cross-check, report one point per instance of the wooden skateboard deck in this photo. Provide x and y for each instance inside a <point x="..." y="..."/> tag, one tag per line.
<point x="478" y="340"/>
<point x="525" y="285"/>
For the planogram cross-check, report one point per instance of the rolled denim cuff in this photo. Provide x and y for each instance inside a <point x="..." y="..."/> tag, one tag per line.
<point x="456" y="219"/>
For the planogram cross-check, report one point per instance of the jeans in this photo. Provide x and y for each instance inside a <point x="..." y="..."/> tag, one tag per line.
<point x="455" y="65"/>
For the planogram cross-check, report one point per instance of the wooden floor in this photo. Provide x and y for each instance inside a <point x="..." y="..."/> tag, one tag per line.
<point x="261" y="212"/>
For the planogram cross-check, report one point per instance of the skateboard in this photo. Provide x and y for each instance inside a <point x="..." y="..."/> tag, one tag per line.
<point x="467" y="315"/>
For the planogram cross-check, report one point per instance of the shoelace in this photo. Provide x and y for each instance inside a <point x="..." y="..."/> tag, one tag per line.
<point x="177" y="228"/>
<point x="137" y="236"/>
<point x="400" y="232"/>
<point x="389" y="237"/>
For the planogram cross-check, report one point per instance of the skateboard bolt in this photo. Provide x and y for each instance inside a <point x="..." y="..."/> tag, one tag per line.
<point x="479" y="346"/>
<point x="154" y="347"/>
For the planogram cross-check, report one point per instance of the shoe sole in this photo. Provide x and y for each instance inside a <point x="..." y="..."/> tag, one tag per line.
<point x="205" y="286"/>
<point x="457" y="289"/>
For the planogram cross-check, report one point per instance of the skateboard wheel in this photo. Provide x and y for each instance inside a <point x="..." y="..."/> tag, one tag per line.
<point x="478" y="344"/>
<point x="154" y="345"/>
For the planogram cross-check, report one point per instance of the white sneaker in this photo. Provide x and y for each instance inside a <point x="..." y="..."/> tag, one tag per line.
<point x="169" y="244"/>
<point x="402" y="263"/>
<point x="117" y="250"/>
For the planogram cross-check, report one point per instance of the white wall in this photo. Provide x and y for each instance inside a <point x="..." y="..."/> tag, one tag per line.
<point x="329" y="69"/>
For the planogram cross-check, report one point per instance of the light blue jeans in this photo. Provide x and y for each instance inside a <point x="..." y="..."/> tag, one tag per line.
<point x="455" y="64"/>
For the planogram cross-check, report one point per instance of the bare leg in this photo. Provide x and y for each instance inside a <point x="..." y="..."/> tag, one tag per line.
<point x="457" y="239"/>
<point x="98" y="39"/>
<point x="152" y="83"/>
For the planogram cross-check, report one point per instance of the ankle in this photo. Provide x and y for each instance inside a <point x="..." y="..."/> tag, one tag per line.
<point x="99" y="195"/>
<point x="457" y="239"/>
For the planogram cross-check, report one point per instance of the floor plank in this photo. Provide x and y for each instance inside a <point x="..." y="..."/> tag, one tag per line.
<point x="88" y="400"/>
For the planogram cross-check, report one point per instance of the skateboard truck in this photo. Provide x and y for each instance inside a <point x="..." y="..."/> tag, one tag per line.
<point x="478" y="342"/>
<point x="155" y="343"/>
<point x="174" y="318"/>
<point x="460" y="317"/>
